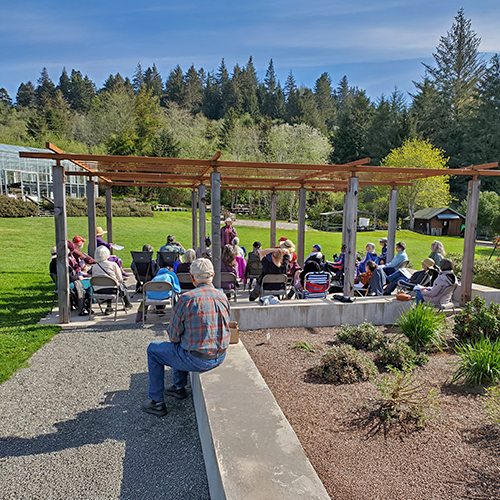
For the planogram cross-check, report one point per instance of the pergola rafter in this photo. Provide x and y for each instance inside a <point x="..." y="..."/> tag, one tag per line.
<point x="216" y="174"/>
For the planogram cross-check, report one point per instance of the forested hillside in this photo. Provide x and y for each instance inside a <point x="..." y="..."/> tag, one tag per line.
<point x="193" y="113"/>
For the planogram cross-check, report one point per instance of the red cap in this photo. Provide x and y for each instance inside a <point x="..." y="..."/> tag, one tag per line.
<point x="78" y="239"/>
<point x="283" y="238"/>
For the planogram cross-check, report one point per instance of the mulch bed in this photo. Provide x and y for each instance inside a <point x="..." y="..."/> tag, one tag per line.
<point x="456" y="455"/>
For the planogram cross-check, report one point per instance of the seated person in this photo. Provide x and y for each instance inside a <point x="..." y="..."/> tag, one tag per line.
<point x="185" y="267"/>
<point x="315" y="254"/>
<point x="289" y="246"/>
<point x="377" y="280"/>
<point x="370" y="255"/>
<point x="228" y="265"/>
<point x="438" y="295"/>
<point x="172" y="246"/>
<point x="238" y="251"/>
<point x="338" y="261"/>
<point x="105" y="267"/>
<point x="78" y="242"/>
<point x="403" y="275"/>
<point x="100" y="242"/>
<point x="207" y="254"/>
<point x="383" y="254"/>
<point x="311" y="266"/>
<point x="274" y="261"/>
<point x="153" y="270"/>
<point x="437" y="252"/>
<point x="253" y="256"/>
<point x="398" y="259"/>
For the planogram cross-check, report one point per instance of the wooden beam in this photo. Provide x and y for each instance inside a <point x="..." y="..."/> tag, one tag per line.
<point x="203" y="210"/>
<point x="194" y="218"/>
<point x="216" y="244"/>
<point x="351" y="216"/>
<point x="392" y="223"/>
<point x="274" y="204"/>
<point x="91" y="217"/>
<point x="301" y="227"/>
<point x="109" y="217"/>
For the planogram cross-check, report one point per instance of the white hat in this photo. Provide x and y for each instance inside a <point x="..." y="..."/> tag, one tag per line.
<point x="229" y="219"/>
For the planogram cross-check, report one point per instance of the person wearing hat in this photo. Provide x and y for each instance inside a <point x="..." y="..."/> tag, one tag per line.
<point x="101" y="243"/>
<point x="383" y="256"/>
<point x="227" y="233"/>
<point x="293" y="255"/>
<point x="78" y="241"/>
<point x="403" y="275"/>
<point x="439" y="293"/>
<point x="315" y="254"/>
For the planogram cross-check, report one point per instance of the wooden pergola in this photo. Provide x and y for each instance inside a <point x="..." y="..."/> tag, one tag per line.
<point x="217" y="174"/>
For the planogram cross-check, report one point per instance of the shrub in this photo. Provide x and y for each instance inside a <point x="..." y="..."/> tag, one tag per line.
<point x="492" y="403"/>
<point x="345" y="365"/>
<point x="365" y="336"/>
<point x="77" y="207"/>
<point x="476" y="321"/>
<point x="486" y="272"/>
<point x="304" y="346"/>
<point x="424" y="327"/>
<point x="404" y="402"/>
<point x="401" y="356"/>
<point x="13" y="207"/>
<point x="479" y="362"/>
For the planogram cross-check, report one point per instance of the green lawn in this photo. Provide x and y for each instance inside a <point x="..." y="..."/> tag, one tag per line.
<point x="26" y="288"/>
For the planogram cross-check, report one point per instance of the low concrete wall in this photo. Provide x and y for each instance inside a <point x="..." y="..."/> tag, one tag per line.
<point x="487" y="293"/>
<point x="250" y="450"/>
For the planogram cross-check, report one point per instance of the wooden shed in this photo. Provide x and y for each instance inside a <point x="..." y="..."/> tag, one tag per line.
<point x="439" y="222"/>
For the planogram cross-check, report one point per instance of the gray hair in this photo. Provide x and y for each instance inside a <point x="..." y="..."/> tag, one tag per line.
<point x="189" y="256"/>
<point x="371" y="246"/>
<point x="438" y="247"/>
<point x="101" y="254"/>
<point x="202" y="270"/>
<point x="236" y="241"/>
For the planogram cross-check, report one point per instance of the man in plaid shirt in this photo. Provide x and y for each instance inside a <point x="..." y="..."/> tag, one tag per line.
<point x="199" y="335"/>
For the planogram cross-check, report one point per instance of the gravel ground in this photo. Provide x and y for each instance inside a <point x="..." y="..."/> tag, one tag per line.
<point x="71" y="426"/>
<point x="456" y="456"/>
<point x="262" y="223"/>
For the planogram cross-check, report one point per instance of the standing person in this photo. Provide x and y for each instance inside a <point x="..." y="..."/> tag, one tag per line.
<point x="437" y="252"/>
<point x="383" y="254"/>
<point x="227" y="233"/>
<point x="199" y="336"/>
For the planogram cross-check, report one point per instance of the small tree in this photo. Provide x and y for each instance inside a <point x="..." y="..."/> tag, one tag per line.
<point x="424" y="193"/>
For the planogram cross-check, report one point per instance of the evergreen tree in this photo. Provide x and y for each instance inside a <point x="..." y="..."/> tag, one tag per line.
<point x="224" y="83"/>
<point x="148" y="119"/>
<point x="164" y="145"/>
<point x="153" y="81"/>
<point x="138" y="78"/>
<point x="175" y="87"/>
<point x="274" y="98"/>
<point x="46" y="90"/>
<point x="25" y="97"/>
<point x="194" y="90"/>
<point x="323" y="94"/>
<point x="310" y="112"/>
<point x="5" y="98"/>
<point x="249" y="85"/>
<point x="64" y="83"/>
<point x="212" y="101"/>
<point x="81" y="91"/>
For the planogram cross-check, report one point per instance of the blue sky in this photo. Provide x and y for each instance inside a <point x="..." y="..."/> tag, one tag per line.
<point x="378" y="44"/>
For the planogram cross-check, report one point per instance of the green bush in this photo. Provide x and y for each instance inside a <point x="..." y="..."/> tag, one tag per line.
<point x="486" y="272"/>
<point x="365" y="336"/>
<point x="424" y="327"/>
<point x="476" y="321"/>
<point x="492" y="403"/>
<point x="303" y="346"/>
<point x="401" y="356"/>
<point x="12" y="207"/>
<point x="479" y="362"/>
<point x="345" y="365"/>
<point x="77" y="207"/>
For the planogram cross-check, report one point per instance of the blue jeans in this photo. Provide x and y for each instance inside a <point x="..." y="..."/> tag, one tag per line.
<point x="161" y="354"/>
<point x="419" y="297"/>
<point x="393" y="279"/>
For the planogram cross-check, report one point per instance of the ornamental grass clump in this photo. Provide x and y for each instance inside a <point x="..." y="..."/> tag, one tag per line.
<point x="479" y="362"/>
<point x="424" y="328"/>
<point x="401" y="356"/>
<point x="366" y="336"/>
<point x="343" y="364"/>
<point x="476" y="321"/>
<point x="303" y="346"/>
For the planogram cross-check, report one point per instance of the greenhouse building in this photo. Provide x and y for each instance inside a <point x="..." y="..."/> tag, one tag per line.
<point x="21" y="177"/>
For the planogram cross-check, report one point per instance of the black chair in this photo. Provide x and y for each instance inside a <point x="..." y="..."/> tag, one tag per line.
<point x="252" y="271"/>
<point x="166" y="259"/>
<point x="144" y="268"/>
<point x="232" y="279"/>
<point x="185" y="282"/>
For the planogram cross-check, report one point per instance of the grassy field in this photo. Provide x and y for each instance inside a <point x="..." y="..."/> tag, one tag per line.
<point x="26" y="289"/>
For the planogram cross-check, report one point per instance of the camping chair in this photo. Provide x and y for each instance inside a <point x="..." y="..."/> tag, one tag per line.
<point x="316" y="285"/>
<point x="143" y="268"/>
<point x="273" y="279"/>
<point x="229" y="278"/>
<point x="111" y="292"/>
<point x="167" y="259"/>
<point x="155" y="286"/>
<point x="402" y="264"/>
<point x="252" y="271"/>
<point x="449" y="305"/>
<point x="427" y="280"/>
<point x="184" y="279"/>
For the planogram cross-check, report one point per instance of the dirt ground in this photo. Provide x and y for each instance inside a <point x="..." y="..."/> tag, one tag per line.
<point x="456" y="455"/>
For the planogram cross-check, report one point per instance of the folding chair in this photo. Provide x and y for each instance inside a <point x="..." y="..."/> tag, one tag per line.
<point x="402" y="264"/>
<point x="274" y="279"/>
<point x="54" y="295"/>
<point x="229" y="278"/>
<point x="316" y="285"/>
<point x="143" y="268"/>
<point x="166" y="259"/>
<point x="449" y="305"/>
<point x="111" y="291"/>
<point x="252" y="271"/>
<point x="185" y="279"/>
<point x="155" y="286"/>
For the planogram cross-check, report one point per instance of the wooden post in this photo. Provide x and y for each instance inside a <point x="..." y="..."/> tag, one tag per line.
<point x="194" y="218"/>
<point x="61" y="243"/>
<point x="91" y="216"/>
<point x="469" y="241"/>
<point x="344" y="225"/>
<point x="109" y="217"/>
<point x="274" y="203"/>
<point x="351" y="217"/>
<point x="216" y="250"/>
<point x="301" y="229"/>
<point x="391" y="229"/>
<point x="203" y="215"/>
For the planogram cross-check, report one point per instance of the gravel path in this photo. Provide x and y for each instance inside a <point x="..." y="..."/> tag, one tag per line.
<point x="262" y="223"/>
<point x="71" y="426"/>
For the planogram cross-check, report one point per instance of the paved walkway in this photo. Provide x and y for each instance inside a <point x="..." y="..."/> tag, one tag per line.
<point x="262" y="223"/>
<point x="71" y="426"/>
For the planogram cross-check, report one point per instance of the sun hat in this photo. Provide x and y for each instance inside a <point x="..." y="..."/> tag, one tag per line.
<point x="229" y="219"/>
<point x="78" y="239"/>
<point x="287" y="244"/>
<point x="99" y="231"/>
<point x="318" y="247"/>
<point x="53" y="252"/>
<point x="283" y="238"/>
<point x="383" y="240"/>
<point x="428" y="262"/>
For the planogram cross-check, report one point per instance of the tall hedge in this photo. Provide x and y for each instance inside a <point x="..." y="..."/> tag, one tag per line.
<point x="77" y="207"/>
<point x="12" y="207"/>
